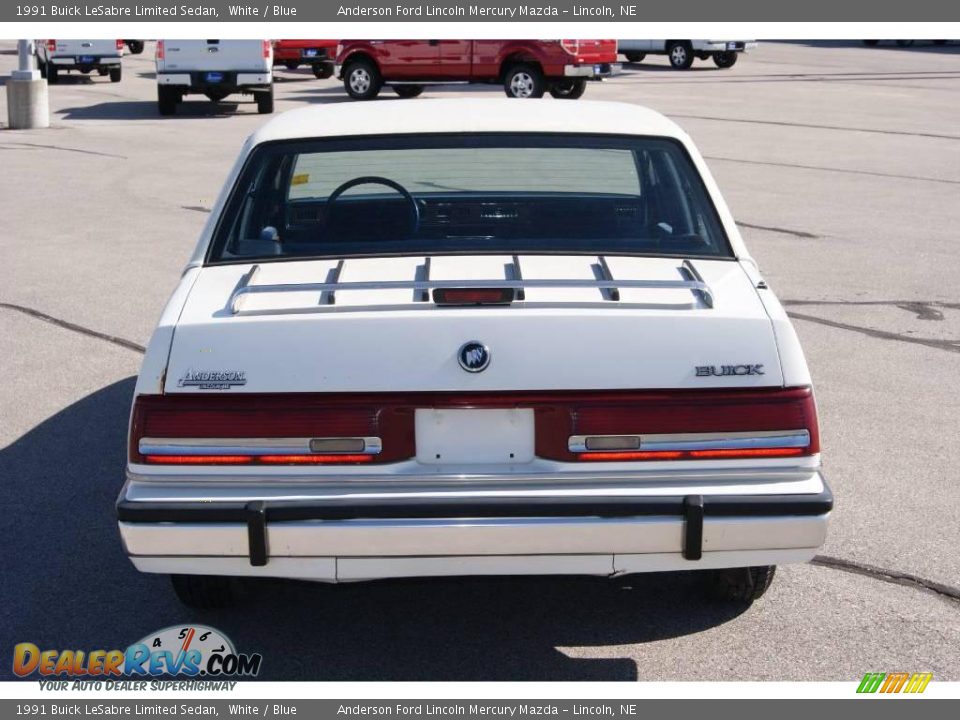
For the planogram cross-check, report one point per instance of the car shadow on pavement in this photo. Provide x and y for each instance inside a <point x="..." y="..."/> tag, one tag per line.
<point x="67" y="584"/>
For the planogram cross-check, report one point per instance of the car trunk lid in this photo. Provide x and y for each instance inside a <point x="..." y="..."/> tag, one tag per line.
<point x="386" y="336"/>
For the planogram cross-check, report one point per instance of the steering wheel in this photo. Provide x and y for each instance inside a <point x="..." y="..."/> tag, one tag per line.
<point x="377" y="180"/>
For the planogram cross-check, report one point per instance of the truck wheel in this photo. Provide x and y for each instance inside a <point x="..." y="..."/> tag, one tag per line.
<point x="568" y="89"/>
<point x="204" y="592"/>
<point x="167" y="99"/>
<point x="265" y="101"/>
<point x="102" y="71"/>
<point x="51" y="74"/>
<point x="134" y="46"/>
<point x="116" y="74"/>
<point x="322" y="71"/>
<point x="680" y="54"/>
<point x="739" y="585"/>
<point x="408" y="91"/>
<point x="362" y="80"/>
<point x="524" y="81"/>
<point x="634" y="57"/>
<point x="725" y="59"/>
<point x="291" y="64"/>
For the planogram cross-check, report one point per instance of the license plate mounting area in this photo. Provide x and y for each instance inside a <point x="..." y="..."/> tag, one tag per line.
<point x="474" y="436"/>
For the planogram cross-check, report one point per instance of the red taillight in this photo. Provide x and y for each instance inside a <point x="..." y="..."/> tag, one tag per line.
<point x="119" y="44"/>
<point x="51" y="45"/>
<point x="473" y="296"/>
<point x="160" y="54"/>
<point x="571" y="46"/>
<point x="314" y="459"/>
<point x="734" y="421"/>
<point x="570" y="426"/>
<point x="631" y="456"/>
<point x="199" y="459"/>
<point x="204" y="430"/>
<point x="267" y="48"/>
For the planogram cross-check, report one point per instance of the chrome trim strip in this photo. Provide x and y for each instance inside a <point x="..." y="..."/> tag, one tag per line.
<point x="250" y="446"/>
<point x="705" y="441"/>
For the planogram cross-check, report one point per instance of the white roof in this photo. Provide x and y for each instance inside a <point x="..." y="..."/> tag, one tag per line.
<point x="392" y="117"/>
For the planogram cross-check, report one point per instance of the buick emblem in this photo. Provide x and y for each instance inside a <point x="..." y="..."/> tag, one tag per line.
<point x="474" y="356"/>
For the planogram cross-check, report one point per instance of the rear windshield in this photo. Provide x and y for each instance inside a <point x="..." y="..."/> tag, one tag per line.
<point x="443" y="194"/>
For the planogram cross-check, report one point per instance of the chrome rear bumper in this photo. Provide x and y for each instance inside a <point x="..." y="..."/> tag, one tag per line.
<point x="353" y="538"/>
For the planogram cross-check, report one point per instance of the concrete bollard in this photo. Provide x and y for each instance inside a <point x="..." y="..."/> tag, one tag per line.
<point x="28" y="105"/>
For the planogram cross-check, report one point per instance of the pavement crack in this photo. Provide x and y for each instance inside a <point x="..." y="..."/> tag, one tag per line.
<point x="895" y="577"/>
<point x="784" y="231"/>
<point x="784" y="123"/>
<point x="40" y="146"/>
<point x="948" y="345"/>
<point x="121" y="342"/>
<point x="822" y="168"/>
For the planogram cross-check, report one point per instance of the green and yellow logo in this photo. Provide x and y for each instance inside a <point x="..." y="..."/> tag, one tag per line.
<point x="895" y="682"/>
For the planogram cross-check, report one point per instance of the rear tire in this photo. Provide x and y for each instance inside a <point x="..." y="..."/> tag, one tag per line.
<point x="680" y="54"/>
<point x="116" y="74"/>
<point x="102" y="71"/>
<point x="322" y="71"/>
<point x="362" y="80"/>
<point x="291" y="64"/>
<point x="51" y="73"/>
<point x="725" y="60"/>
<point x="634" y="57"/>
<point x="265" y="102"/>
<point x="167" y="99"/>
<point x="524" y="80"/>
<point x="408" y="91"/>
<point x="568" y="89"/>
<point x="134" y="46"/>
<point x="204" y="592"/>
<point x="739" y="585"/>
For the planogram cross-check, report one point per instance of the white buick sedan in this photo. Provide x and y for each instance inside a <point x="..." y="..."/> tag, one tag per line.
<point x="456" y="337"/>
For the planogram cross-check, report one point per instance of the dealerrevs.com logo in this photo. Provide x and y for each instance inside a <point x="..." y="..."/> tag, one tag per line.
<point x="192" y="651"/>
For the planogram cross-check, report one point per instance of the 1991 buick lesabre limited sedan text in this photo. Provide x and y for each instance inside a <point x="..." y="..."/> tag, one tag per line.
<point x="471" y="340"/>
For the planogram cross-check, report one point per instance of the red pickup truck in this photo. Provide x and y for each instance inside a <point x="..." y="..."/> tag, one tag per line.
<point x="527" y="68"/>
<point x="318" y="54"/>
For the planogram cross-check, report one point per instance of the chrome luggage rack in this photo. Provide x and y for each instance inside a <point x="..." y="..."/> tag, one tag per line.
<point x="421" y="286"/>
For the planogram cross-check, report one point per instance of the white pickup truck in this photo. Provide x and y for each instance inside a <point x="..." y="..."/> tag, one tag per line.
<point x="85" y="56"/>
<point x="215" y="68"/>
<point x="682" y="52"/>
<point x="472" y="340"/>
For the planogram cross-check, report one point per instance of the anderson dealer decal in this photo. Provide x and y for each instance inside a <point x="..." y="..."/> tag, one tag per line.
<point x="213" y="379"/>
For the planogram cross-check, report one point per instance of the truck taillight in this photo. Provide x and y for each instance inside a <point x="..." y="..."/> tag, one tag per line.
<point x="51" y="45"/>
<point x="120" y="45"/>
<point x="160" y="55"/>
<point x="571" y="46"/>
<point x="267" y="48"/>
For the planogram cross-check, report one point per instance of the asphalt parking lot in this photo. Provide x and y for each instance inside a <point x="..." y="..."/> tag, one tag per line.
<point x="842" y="165"/>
